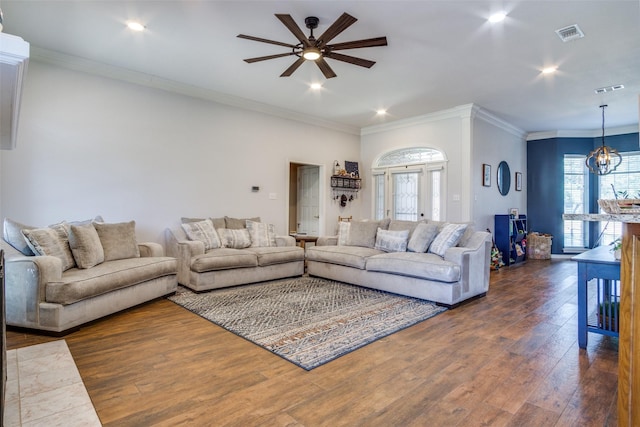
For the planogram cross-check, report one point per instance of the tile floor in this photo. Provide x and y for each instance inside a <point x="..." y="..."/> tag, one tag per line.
<point x="44" y="388"/>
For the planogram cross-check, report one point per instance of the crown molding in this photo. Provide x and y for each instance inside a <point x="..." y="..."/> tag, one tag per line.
<point x="470" y="111"/>
<point x="588" y="133"/>
<point x="122" y="74"/>
<point x="451" y="113"/>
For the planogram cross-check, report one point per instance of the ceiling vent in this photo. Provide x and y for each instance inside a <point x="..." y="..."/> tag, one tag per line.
<point x="609" y="88"/>
<point x="569" y="33"/>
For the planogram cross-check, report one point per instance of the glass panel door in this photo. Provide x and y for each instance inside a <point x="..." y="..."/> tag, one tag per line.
<point x="406" y="196"/>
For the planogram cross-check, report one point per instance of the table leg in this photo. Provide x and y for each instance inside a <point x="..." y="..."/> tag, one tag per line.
<point x="582" y="305"/>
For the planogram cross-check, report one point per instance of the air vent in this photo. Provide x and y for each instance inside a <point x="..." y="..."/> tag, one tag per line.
<point x="609" y="88"/>
<point x="569" y="33"/>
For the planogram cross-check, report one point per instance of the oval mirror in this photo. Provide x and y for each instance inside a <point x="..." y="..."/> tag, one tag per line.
<point x="504" y="178"/>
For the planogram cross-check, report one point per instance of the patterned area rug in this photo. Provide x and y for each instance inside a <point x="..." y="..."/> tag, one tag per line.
<point x="307" y="320"/>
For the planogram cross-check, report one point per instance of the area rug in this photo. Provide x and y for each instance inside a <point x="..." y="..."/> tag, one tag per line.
<point x="307" y="320"/>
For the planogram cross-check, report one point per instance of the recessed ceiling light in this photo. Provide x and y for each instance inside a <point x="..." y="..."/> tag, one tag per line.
<point x="135" y="26"/>
<point x="497" y="17"/>
<point x="381" y="112"/>
<point x="315" y="86"/>
<point x="549" y="70"/>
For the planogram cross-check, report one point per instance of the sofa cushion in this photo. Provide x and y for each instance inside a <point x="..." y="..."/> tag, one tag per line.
<point x="261" y="234"/>
<point x="420" y="265"/>
<point x="235" y="238"/>
<point x="223" y="259"/>
<point x="85" y="245"/>
<point x="12" y="233"/>
<point x="422" y="237"/>
<point x="204" y="232"/>
<point x="343" y="232"/>
<point x="79" y="284"/>
<point x="350" y="256"/>
<point x="391" y="241"/>
<point x="52" y="241"/>
<point x="277" y="255"/>
<point x="237" y="223"/>
<point x="363" y="233"/>
<point x="447" y="238"/>
<point x="399" y="224"/>
<point x="118" y="240"/>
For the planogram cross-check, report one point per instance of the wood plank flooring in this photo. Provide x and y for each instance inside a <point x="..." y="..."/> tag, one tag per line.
<point x="509" y="359"/>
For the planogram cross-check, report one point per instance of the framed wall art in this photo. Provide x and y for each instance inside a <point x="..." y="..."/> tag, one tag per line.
<point x="518" y="181"/>
<point x="486" y="175"/>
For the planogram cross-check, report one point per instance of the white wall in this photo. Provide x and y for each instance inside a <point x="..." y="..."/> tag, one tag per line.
<point x="91" y="145"/>
<point x="492" y="143"/>
<point x="469" y="137"/>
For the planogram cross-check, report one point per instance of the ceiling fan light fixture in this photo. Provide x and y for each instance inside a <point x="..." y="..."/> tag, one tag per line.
<point x="311" y="53"/>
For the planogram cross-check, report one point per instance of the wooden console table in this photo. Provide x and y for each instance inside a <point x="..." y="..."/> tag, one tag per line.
<point x="303" y="239"/>
<point x="599" y="264"/>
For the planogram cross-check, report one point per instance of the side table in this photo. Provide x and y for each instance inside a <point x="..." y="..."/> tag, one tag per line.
<point x="599" y="264"/>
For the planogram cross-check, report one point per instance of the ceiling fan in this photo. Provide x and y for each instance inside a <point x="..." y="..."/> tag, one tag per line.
<point x="317" y="50"/>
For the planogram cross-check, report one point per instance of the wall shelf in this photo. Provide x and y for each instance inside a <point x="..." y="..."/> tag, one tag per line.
<point x="345" y="183"/>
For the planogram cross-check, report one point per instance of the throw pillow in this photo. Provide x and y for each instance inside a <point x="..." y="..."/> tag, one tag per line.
<point x="343" y="232"/>
<point x="261" y="234"/>
<point x="448" y="237"/>
<point x="391" y="241"/>
<point x="118" y="240"/>
<point x="13" y="236"/>
<point x="422" y="237"/>
<point x="363" y="233"/>
<point x="235" y="238"/>
<point x="204" y="232"/>
<point x="238" y="223"/>
<point x="85" y="246"/>
<point x="52" y="241"/>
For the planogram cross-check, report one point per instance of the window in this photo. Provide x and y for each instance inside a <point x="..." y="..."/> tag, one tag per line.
<point x="408" y="184"/>
<point x="576" y="195"/>
<point x="625" y="179"/>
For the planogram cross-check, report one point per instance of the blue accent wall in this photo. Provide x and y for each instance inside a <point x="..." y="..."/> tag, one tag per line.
<point x="545" y="189"/>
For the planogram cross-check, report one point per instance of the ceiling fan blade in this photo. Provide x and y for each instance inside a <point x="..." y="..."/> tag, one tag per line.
<point x="351" y="59"/>
<point x="342" y="23"/>
<point x="291" y="25"/>
<point x="324" y="67"/>
<point x="292" y="68"/>
<point x="377" y="41"/>
<point x="258" y="39"/>
<point x="264" y="58"/>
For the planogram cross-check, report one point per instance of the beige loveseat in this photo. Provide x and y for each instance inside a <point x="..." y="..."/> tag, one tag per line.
<point x="436" y="261"/>
<point x="220" y="252"/>
<point x="82" y="271"/>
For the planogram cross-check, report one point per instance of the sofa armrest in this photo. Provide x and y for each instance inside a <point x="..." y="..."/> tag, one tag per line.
<point x="285" y="241"/>
<point x="327" y="241"/>
<point x="185" y="250"/>
<point x="474" y="260"/>
<point x="26" y="278"/>
<point x="150" y="249"/>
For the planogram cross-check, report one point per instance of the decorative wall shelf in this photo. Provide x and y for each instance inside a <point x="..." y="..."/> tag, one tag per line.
<point x="345" y="183"/>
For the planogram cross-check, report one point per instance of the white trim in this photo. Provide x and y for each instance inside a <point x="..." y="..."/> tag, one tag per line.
<point x="593" y="133"/>
<point x="148" y="80"/>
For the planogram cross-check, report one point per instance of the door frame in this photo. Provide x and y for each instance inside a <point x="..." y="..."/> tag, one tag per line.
<point x="292" y="196"/>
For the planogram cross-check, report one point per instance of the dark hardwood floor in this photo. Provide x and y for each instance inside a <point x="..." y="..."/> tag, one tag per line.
<point x="509" y="359"/>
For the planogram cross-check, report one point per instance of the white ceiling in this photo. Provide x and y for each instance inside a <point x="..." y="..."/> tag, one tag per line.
<point x="441" y="54"/>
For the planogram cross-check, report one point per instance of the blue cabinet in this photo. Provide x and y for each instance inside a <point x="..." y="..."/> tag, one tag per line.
<point x="511" y="238"/>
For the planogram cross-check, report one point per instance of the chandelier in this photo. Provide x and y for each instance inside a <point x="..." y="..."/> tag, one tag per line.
<point x="603" y="160"/>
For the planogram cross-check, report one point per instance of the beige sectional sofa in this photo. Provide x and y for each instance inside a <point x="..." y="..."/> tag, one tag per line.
<point x="436" y="261"/>
<point x="220" y="252"/>
<point x="62" y="276"/>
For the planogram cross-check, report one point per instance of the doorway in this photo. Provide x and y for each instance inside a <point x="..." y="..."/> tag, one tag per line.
<point x="304" y="199"/>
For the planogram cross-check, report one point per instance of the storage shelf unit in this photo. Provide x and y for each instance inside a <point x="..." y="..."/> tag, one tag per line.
<point x="511" y="238"/>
